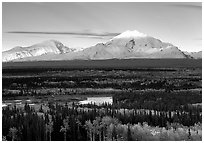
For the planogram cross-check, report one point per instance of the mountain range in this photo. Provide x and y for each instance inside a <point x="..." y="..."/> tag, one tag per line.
<point x="127" y="45"/>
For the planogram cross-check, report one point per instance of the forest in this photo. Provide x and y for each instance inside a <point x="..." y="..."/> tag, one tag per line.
<point x="97" y="124"/>
<point x="147" y="104"/>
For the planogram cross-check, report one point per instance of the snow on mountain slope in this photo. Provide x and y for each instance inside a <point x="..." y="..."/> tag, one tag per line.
<point x="54" y="57"/>
<point x="170" y="52"/>
<point x="195" y="55"/>
<point x="130" y="44"/>
<point x="46" y="47"/>
<point x="133" y="44"/>
<point x="129" y="34"/>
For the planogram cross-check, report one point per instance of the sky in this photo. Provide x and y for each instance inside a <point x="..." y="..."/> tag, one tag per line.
<point x="81" y="25"/>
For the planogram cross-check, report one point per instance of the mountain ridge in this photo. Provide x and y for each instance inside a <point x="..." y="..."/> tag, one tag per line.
<point x="43" y="48"/>
<point x="195" y="55"/>
<point x="127" y="45"/>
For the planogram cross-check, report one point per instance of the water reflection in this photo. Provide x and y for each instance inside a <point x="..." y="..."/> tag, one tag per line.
<point x="97" y="100"/>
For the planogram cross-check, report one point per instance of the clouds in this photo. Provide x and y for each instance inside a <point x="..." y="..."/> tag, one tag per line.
<point x="99" y="35"/>
<point x="85" y="24"/>
<point x="195" y="5"/>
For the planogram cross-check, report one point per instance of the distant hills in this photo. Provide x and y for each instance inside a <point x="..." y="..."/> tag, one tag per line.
<point x="195" y="55"/>
<point x="127" y="45"/>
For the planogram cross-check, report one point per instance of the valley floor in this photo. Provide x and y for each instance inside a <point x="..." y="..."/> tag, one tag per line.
<point x="102" y="104"/>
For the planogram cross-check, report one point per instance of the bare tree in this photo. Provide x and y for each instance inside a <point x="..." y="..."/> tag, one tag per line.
<point x="13" y="133"/>
<point x="89" y="128"/>
<point x="108" y="124"/>
<point x="78" y="129"/>
<point x="49" y="128"/>
<point x="65" y="127"/>
<point x="97" y="127"/>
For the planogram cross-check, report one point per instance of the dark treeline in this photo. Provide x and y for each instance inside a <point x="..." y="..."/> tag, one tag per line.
<point x="158" y="100"/>
<point x="42" y="69"/>
<point x="107" y="64"/>
<point x="100" y="82"/>
<point x="61" y="122"/>
<point x="171" y="79"/>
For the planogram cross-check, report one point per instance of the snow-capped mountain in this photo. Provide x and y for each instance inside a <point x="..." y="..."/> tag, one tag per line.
<point x="127" y="45"/>
<point x="130" y="34"/>
<point x="44" y="48"/>
<point x="195" y="55"/>
<point x="133" y="44"/>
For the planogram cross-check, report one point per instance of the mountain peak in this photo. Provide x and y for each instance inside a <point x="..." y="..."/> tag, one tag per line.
<point x="129" y="44"/>
<point x="130" y="34"/>
<point x="49" y="43"/>
<point x="49" y="47"/>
